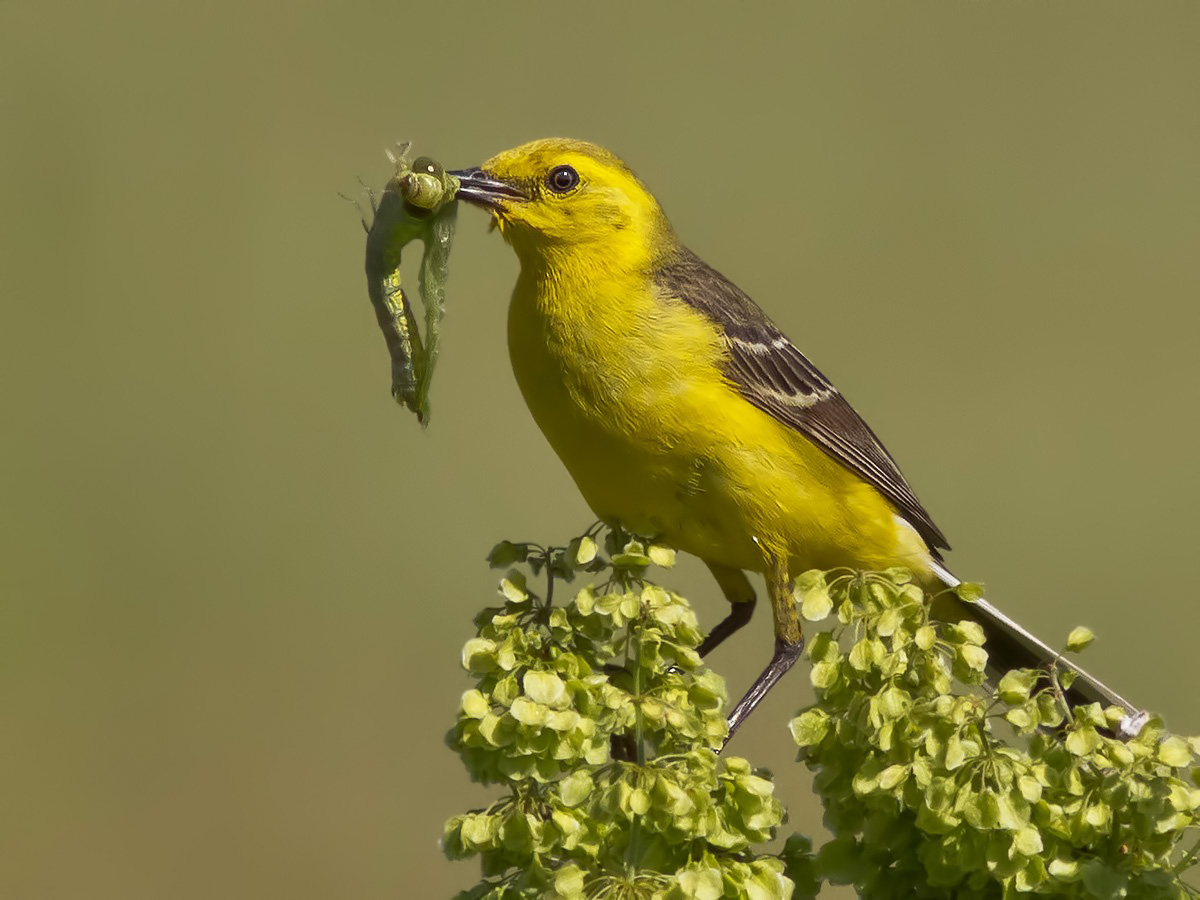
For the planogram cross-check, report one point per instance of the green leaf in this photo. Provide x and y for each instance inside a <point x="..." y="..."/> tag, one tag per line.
<point x="586" y="552"/>
<point x="981" y="810"/>
<point x="969" y="591"/>
<point x="1020" y="718"/>
<point x="1015" y="686"/>
<point x="1030" y="788"/>
<point x="893" y="703"/>
<point x="813" y="594"/>
<point x="528" y="712"/>
<point x="512" y="586"/>
<point x="632" y="556"/>
<point x="480" y="830"/>
<point x="839" y="860"/>
<point x="825" y="675"/>
<point x="1013" y="811"/>
<point x="1102" y="879"/>
<point x="1083" y="741"/>
<point x="1079" y="638"/>
<point x="1098" y="814"/>
<point x="893" y="776"/>
<point x="585" y="601"/>
<point x="1027" y="841"/>
<point x="568" y="882"/>
<point x="1064" y="869"/>
<point x="545" y="688"/>
<point x="661" y="555"/>
<point x="1090" y="714"/>
<point x="479" y="656"/>
<point x="1175" y="751"/>
<point x="955" y="756"/>
<point x="701" y="883"/>
<point x="810" y="727"/>
<point x="505" y="553"/>
<point x="475" y="705"/>
<point x="968" y="632"/>
<point x="823" y="648"/>
<point x="974" y="656"/>
<point x="925" y="637"/>
<point x="1049" y="710"/>
<point x="860" y="655"/>
<point x="639" y="801"/>
<point x="888" y="622"/>
<point x="765" y="883"/>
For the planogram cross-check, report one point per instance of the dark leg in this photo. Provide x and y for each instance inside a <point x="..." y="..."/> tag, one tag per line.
<point x="740" y="593"/>
<point x="789" y="642"/>
<point x="785" y="657"/>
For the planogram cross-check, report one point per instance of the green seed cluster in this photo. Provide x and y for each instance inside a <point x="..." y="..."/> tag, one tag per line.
<point x="601" y="722"/>
<point x="937" y="787"/>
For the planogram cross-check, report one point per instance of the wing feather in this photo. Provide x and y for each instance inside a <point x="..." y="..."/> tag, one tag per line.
<point x="777" y="378"/>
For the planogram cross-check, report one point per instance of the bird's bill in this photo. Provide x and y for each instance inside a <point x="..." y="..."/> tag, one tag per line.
<point x="478" y="187"/>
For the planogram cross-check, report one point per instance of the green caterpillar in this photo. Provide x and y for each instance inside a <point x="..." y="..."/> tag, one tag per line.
<point x="418" y="202"/>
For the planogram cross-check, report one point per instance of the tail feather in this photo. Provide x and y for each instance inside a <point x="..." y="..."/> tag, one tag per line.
<point x="1010" y="646"/>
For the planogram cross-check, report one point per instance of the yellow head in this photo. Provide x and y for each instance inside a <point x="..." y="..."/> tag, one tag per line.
<point x="558" y="199"/>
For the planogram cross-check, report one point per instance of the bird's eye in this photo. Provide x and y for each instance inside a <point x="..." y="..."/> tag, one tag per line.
<point x="561" y="179"/>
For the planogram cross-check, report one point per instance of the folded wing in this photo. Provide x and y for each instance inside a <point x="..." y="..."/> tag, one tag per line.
<point x="777" y="378"/>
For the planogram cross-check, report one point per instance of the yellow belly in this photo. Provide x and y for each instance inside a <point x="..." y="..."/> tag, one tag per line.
<point x="656" y="439"/>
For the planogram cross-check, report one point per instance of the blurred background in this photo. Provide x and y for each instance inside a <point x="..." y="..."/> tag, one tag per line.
<point x="235" y="577"/>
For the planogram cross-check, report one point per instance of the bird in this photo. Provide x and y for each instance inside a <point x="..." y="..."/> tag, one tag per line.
<point x="684" y="414"/>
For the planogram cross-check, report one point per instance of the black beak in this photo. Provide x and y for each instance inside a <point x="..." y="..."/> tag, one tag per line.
<point x="480" y="188"/>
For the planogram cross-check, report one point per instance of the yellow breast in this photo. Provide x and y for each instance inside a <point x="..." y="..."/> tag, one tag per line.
<point x="628" y="389"/>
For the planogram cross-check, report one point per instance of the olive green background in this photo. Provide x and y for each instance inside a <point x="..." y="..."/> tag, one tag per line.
<point x="235" y="576"/>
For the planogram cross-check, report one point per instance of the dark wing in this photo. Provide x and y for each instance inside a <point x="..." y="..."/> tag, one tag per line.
<point x="777" y="378"/>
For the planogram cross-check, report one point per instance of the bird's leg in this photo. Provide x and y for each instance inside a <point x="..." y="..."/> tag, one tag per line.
<point x="789" y="642"/>
<point x="740" y="593"/>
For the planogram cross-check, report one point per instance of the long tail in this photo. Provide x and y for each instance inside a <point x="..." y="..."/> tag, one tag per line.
<point x="1010" y="646"/>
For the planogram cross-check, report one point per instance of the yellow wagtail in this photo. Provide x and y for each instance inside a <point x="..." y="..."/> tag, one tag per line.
<point x="684" y="414"/>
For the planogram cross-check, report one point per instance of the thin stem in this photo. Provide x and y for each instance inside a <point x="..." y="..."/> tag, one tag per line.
<point x="1188" y="858"/>
<point x="1059" y="695"/>
<point x="634" y="851"/>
